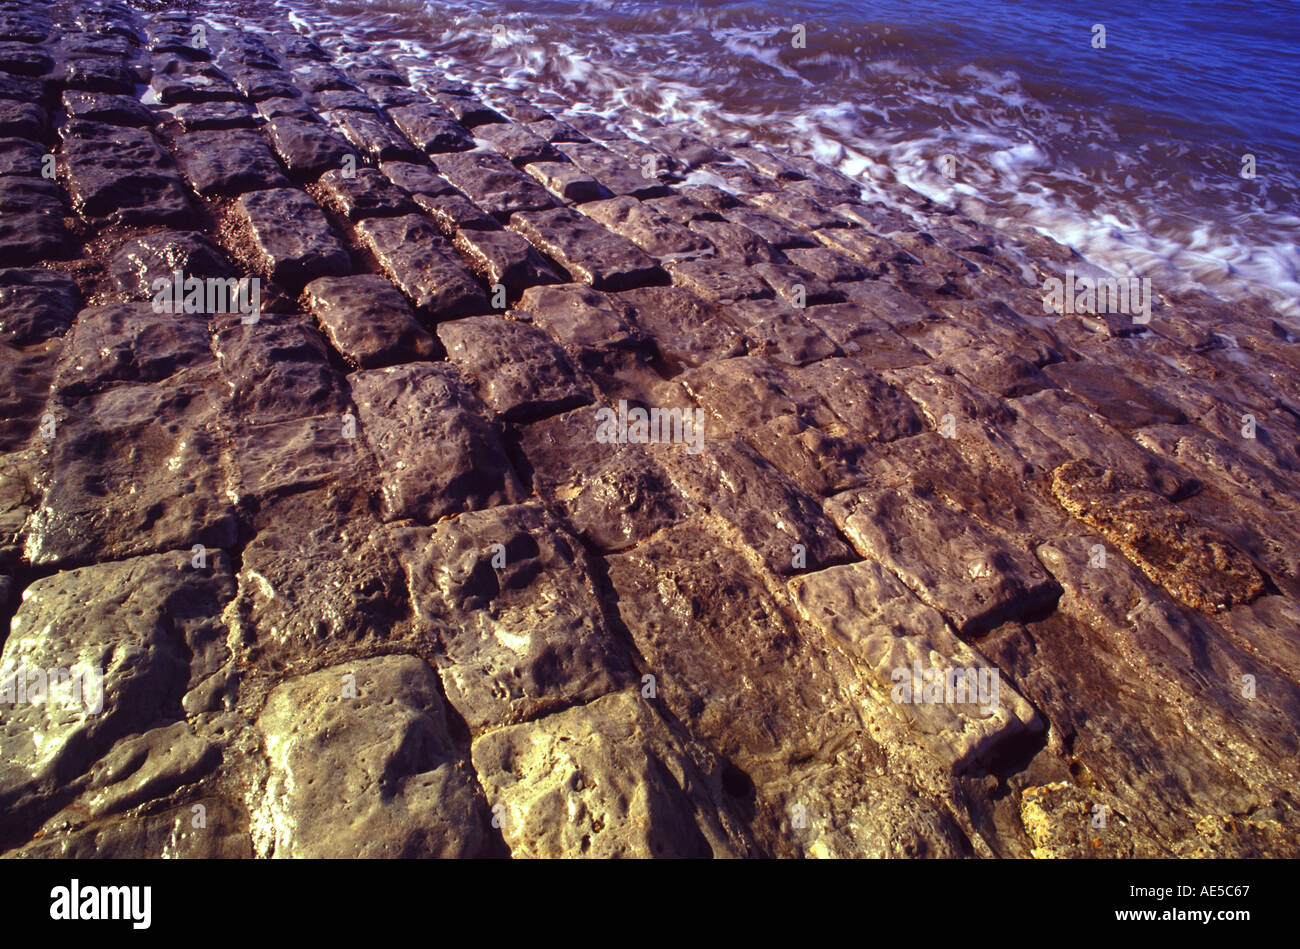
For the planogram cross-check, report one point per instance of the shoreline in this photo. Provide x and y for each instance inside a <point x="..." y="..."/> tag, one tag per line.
<point x="371" y="546"/>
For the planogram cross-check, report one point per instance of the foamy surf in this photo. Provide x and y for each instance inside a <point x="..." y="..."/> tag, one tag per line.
<point x="884" y="101"/>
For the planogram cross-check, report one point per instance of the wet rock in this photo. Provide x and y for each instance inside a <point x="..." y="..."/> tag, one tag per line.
<point x="149" y="766"/>
<point x="177" y="80"/>
<point x="615" y="495"/>
<point x="504" y="258"/>
<point x="861" y="399"/>
<point x="517" y="143"/>
<point x="654" y="233"/>
<point x="515" y="368"/>
<point x="520" y="109"/>
<point x="870" y="341"/>
<point x="433" y="129"/>
<point x="121" y="175"/>
<point x="1123" y="402"/>
<point x="1004" y="374"/>
<point x="686" y="331"/>
<point x="518" y="638"/>
<point x="178" y="37"/>
<point x="368" y="321"/>
<point x="340" y="100"/>
<point x="1059" y="821"/>
<point x="373" y="136"/>
<point x="437" y="452"/>
<point x="690" y="149"/>
<point x="22" y="59"/>
<point x="600" y="781"/>
<point x="615" y="174"/>
<point x="591" y="254"/>
<point x="416" y="257"/>
<point x="492" y="182"/>
<point x="316" y="76"/>
<point x="292" y="240"/>
<point x="125" y="634"/>
<point x="683" y="209"/>
<point x="382" y="764"/>
<point x="277" y="369"/>
<point x="717" y="281"/>
<point x="555" y="131"/>
<point x="1082" y="435"/>
<point x="958" y="706"/>
<point x="128" y="343"/>
<point x="732" y="480"/>
<point x="827" y="265"/>
<point x="307" y="148"/>
<point x="567" y="181"/>
<point x="781" y="333"/>
<point x="979" y="580"/>
<point x="20" y="157"/>
<point x="797" y="286"/>
<point x="417" y="179"/>
<point x="799" y="210"/>
<point x="749" y="391"/>
<point x="729" y="662"/>
<point x="452" y="212"/>
<point x="131" y="471"/>
<point x="213" y="116"/>
<point x="228" y="163"/>
<point x="320" y="583"/>
<point x="295" y="46"/>
<point x="31" y="227"/>
<point x="593" y="330"/>
<point x="775" y="231"/>
<point x="35" y="305"/>
<point x="1196" y="564"/>
<point x="468" y="110"/>
<point x="22" y="120"/>
<point x="1191" y="738"/>
<point x="365" y="193"/>
<point x="25" y="379"/>
<point x="24" y="26"/>
<point x="878" y="254"/>
<point x="284" y="107"/>
<point x="298" y="454"/>
<point x="138" y="263"/>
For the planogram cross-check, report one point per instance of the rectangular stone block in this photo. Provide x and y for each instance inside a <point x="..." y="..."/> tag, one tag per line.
<point x="948" y="558"/>
<point x="228" y="163"/>
<point x="493" y="183"/>
<point x="958" y="705"/>
<point x="368" y="321"/>
<point x="615" y="173"/>
<point x="307" y="148"/>
<point x="292" y="239"/>
<point x="432" y="128"/>
<point x="589" y="252"/>
<point x="509" y="596"/>
<point x="503" y="258"/>
<point x="657" y="235"/>
<point x="418" y="259"/>
<point x="515" y="368"/>
<point x="437" y="452"/>
<point x="373" y="136"/>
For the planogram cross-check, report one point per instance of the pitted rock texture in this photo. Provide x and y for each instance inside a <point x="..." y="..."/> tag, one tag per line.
<point x="573" y="487"/>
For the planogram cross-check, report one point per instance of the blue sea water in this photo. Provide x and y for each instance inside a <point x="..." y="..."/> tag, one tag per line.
<point x="1132" y="152"/>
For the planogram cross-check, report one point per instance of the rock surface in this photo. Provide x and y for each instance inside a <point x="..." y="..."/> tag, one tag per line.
<point x="590" y="487"/>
